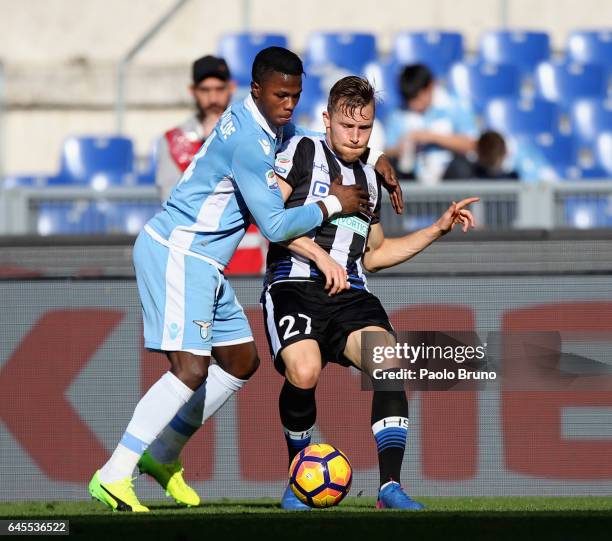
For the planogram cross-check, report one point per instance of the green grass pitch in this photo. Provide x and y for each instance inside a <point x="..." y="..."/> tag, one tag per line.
<point x="516" y="518"/>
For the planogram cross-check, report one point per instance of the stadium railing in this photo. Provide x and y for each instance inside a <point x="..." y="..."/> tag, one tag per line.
<point x="503" y="206"/>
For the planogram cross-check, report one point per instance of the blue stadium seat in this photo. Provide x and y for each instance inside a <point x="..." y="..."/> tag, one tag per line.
<point x="590" y="47"/>
<point x="588" y="211"/>
<point x="590" y="117"/>
<point x="511" y="116"/>
<point x="312" y="94"/>
<point x="559" y="150"/>
<point x="350" y="51"/>
<point x="27" y="181"/>
<point x="239" y="51"/>
<point x="525" y="50"/>
<point x="564" y="83"/>
<point x="70" y="218"/>
<point x="384" y="76"/>
<point x="129" y="217"/>
<point x="603" y="151"/>
<point x="479" y="83"/>
<point x="85" y="157"/>
<point x="438" y="50"/>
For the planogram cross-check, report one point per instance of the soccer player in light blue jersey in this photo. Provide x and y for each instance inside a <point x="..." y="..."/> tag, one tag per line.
<point x="190" y="310"/>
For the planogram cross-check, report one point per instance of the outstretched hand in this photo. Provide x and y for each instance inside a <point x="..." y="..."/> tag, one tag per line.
<point x="457" y="214"/>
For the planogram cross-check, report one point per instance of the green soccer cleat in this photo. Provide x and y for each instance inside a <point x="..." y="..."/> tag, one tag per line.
<point x="119" y="496"/>
<point x="170" y="477"/>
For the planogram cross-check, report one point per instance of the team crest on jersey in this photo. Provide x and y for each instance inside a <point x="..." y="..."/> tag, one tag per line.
<point x="204" y="326"/>
<point x="271" y="179"/>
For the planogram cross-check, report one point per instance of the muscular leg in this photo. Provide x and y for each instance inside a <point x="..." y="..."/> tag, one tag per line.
<point x="155" y="409"/>
<point x="296" y="403"/>
<point x="389" y="412"/>
<point x="235" y="365"/>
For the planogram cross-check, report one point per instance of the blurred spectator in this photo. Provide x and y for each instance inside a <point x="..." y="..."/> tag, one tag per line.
<point x="212" y="90"/>
<point x="487" y="163"/>
<point x="433" y="126"/>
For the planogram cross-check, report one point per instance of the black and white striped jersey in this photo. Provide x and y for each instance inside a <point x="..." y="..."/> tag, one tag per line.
<point x="308" y="164"/>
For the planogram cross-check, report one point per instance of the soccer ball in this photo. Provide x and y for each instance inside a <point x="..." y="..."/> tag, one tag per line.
<point x="320" y="475"/>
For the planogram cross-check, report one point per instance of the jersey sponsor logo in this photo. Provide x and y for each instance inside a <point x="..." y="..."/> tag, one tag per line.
<point x="265" y="146"/>
<point x="271" y="179"/>
<point x="352" y="223"/>
<point x="204" y="325"/>
<point x="320" y="188"/>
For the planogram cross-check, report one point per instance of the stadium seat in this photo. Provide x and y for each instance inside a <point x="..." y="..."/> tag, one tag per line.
<point x="603" y="152"/>
<point x="438" y="50"/>
<point x="525" y="50"/>
<point x="239" y="51"/>
<point x="26" y="181"/>
<point x="384" y="76"/>
<point x="558" y="149"/>
<point x="108" y="159"/>
<point x="129" y="217"/>
<point x="586" y="212"/>
<point x="312" y="94"/>
<point x="70" y="218"/>
<point x="511" y="116"/>
<point x="590" y="47"/>
<point x="563" y="83"/>
<point x="589" y="117"/>
<point x="350" y="51"/>
<point x="479" y="83"/>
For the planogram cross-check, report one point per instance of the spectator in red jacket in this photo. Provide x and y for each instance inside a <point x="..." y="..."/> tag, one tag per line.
<point x="212" y="89"/>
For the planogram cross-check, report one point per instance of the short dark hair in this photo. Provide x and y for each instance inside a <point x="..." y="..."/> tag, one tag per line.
<point x="413" y="79"/>
<point x="354" y="93"/>
<point x="275" y="59"/>
<point x="491" y="149"/>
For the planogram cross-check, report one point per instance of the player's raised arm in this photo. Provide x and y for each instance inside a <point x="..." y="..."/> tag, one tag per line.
<point x="382" y="252"/>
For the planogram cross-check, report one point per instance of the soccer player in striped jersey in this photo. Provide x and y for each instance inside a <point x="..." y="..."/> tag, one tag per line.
<point x="306" y="326"/>
<point x="189" y="308"/>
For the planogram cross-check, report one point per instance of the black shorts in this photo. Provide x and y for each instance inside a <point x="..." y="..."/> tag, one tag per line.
<point x="302" y="310"/>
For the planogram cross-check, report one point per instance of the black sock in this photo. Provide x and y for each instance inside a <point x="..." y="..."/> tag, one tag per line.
<point x="298" y="413"/>
<point x="390" y="428"/>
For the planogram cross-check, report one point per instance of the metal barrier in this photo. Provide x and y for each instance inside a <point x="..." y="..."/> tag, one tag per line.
<point x="503" y="206"/>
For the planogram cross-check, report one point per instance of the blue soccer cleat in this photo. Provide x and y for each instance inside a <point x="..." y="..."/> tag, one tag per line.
<point x="291" y="502"/>
<point x="392" y="496"/>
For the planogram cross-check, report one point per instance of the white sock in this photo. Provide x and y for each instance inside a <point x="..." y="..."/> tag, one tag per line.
<point x="220" y="385"/>
<point x="205" y="402"/>
<point x="168" y="445"/>
<point x="154" y="411"/>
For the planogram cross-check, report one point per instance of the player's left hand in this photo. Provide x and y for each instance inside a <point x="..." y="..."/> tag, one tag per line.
<point x="384" y="167"/>
<point x="457" y="214"/>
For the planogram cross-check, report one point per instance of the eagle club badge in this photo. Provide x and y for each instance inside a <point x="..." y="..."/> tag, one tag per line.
<point x="204" y="325"/>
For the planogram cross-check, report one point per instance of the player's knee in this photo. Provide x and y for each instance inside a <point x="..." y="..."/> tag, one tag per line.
<point x="304" y="375"/>
<point x="191" y="370"/>
<point x="247" y="367"/>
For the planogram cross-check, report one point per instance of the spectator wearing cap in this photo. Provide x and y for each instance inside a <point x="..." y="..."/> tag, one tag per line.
<point x="433" y="126"/>
<point x="212" y="89"/>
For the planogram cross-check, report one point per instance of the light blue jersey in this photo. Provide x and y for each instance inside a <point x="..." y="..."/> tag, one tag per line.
<point x="230" y="179"/>
<point x="447" y="115"/>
